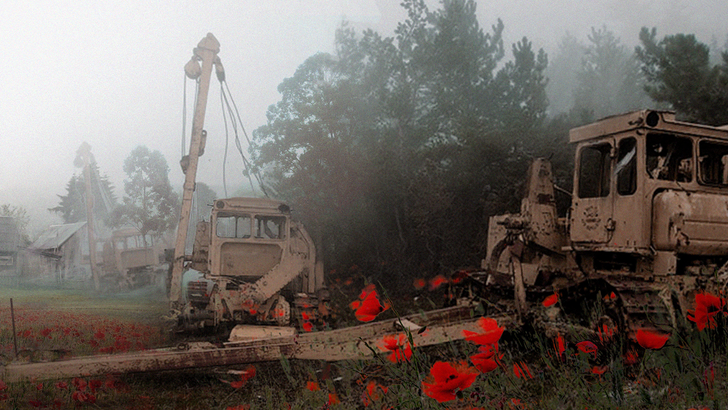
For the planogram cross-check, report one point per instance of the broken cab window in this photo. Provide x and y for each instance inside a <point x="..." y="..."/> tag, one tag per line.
<point x="233" y="226"/>
<point x="270" y="227"/>
<point x="669" y="158"/>
<point x="626" y="168"/>
<point x="713" y="159"/>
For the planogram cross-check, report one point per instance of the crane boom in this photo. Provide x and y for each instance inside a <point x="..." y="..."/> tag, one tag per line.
<point x="206" y="52"/>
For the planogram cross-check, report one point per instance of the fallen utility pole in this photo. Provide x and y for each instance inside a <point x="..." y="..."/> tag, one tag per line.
<point x="357" y="342"/>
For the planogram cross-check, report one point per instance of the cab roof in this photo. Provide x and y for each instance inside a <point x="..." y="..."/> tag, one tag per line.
<point x="254" y="205"/>
<point x="663" y="121"/>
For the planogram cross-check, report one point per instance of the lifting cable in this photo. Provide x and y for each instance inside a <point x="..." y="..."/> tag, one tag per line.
<point x="229" y="110"/>
<point x="224" y="157"/>
<point x="227" y="99"/>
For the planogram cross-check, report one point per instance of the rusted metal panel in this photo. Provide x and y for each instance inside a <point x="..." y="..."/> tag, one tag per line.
<point x="691" y="223"/>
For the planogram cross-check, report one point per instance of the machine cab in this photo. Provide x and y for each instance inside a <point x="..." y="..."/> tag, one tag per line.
<point x="249" y="236"/>
<point x="645" y="183"/>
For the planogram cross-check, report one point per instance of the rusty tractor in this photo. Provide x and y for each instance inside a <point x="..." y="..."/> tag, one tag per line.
<point x="647" y="228"/>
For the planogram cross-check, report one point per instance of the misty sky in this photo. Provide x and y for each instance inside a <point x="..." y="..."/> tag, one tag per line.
<point x="111" y="72"/>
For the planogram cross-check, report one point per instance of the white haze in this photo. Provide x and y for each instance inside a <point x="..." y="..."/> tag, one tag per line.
<point x="110" y="72"/>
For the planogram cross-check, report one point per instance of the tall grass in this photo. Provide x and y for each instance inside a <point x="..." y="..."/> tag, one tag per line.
<point x="688" y="372"/>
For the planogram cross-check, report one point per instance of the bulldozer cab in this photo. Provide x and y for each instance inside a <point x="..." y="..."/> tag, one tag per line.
<point x="633" y="178"/>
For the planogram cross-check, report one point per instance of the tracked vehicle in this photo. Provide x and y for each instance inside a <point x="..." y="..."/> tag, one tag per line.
<point x="647" y="228"/>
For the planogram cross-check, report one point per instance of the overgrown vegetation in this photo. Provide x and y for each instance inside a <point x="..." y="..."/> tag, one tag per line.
<point x="527" y="369"/>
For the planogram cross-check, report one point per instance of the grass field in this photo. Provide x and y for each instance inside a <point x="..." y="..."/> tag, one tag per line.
<point x="512" y="370"/>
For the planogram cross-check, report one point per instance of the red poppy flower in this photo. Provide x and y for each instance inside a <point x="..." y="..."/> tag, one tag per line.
<point x="369" y="308"/>
<point x="374" y="391"/>
<point x="307" y="326"/>
<point x="551" y="300"/>
<point x="651" y="340"/>
<point x="631" y="357"/>
<point x="419" y="284"/>
<point x="522" y="371"/>
<point x="367" y="290"/>
<point x="79" y="383"/>
<point x="399" y="346"/>
<point x="484" y="361"/>
<point x="491" y="332"/>
<point x="599" y="370"/>
<point x="333" y="399"/>
<point x="445" y="380"/>
<point x="605" y="333"/>
<point x="560" y="345"/>
<point x="459" y="276"/>
<point x="707" y="307"/>
<point x="312" y="386"/>
<point x="437" y="281"/>
<point x="587" y="347"/>
<point x="82" y="397"/>
<point x="245" y="375"/>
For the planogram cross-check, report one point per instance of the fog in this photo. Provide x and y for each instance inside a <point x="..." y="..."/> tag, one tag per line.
<point x="111" y="73"/>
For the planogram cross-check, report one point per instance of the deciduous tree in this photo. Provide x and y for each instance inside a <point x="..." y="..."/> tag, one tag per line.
<point x="149" y="203"/>
<point x="21" y="217"/>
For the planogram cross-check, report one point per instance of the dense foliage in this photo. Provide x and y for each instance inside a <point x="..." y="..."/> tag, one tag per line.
<point x="679" y="71"/>
<point x="394" y="151"/>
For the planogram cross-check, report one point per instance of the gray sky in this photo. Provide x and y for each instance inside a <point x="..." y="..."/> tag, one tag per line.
<point x="111" y="72"/>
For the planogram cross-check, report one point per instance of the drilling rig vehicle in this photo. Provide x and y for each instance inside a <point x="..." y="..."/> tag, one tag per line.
<point x="646" y="230"/>
<point x="256" y="261"/>
<point x="130" y="259"/>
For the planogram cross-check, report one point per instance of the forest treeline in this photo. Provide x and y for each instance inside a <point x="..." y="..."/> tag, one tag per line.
<point x="394" y="151"/>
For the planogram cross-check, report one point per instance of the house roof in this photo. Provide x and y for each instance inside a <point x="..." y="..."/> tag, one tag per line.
<point x="56" y="235"/>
